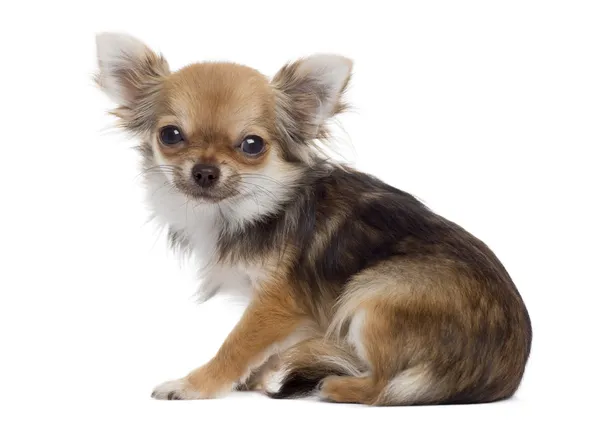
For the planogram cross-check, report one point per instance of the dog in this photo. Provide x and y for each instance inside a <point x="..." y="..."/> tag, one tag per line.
<point x="357" y="292"/>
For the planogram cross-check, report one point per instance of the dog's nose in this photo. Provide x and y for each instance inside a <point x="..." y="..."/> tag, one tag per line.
<point x="205" y="175"/>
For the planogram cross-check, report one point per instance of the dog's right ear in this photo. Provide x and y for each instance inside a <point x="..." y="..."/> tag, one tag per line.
<point x="131" y="74"/>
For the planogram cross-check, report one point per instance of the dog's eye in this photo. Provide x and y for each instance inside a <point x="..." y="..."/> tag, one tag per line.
<point x="253" y="145"/>
<point x="170" y="135"/>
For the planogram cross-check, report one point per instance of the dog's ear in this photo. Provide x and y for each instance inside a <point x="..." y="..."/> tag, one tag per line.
<point x="308" y="92"/>
<point x="131" y="74"/>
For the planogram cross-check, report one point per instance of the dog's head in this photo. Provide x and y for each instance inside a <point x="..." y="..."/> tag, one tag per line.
<point x="221" y="130"/>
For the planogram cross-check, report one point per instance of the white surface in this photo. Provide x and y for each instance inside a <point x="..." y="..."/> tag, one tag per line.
<point x="488" y="113"/>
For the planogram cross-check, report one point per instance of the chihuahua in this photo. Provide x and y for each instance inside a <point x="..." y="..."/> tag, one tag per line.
<point x="357" y="292"/>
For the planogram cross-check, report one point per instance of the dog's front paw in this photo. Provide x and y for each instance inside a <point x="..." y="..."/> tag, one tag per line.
<point x="202" y="383"/>
<point x="177" y="390"/>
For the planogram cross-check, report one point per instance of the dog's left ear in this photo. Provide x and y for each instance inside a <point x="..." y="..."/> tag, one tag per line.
<point x="308" y="93"/>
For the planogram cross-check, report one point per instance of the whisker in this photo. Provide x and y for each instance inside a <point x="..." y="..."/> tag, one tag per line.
<point x="265" y="178"/>
<point x="261" y="189"/>
<point x="165" y="184"/>
<point x="157" y="170"/>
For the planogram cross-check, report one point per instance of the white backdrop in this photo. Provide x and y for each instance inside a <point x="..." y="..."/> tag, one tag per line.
<point x="487" y="111"/>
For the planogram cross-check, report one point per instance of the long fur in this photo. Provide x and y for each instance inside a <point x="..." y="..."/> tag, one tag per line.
<point x="362" y="292"/>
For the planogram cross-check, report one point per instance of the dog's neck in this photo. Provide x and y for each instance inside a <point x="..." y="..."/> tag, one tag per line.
<point x="197" y="225"/>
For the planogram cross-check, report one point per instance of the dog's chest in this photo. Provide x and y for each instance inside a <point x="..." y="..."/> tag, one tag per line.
<point x="193" y="225"/>
<point x="197" y="227"/>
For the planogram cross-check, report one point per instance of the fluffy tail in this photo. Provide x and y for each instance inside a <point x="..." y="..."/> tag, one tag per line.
<point x="304" y="367"/>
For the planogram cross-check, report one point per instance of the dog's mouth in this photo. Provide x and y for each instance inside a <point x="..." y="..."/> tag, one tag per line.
<point x="213" y="195"/>
<point x="204" y="196"/>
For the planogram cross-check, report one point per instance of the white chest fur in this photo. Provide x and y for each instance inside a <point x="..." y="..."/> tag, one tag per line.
<point x="200" y="224"/>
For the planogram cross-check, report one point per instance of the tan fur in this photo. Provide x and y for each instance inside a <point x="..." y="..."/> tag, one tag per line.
<point x="270" y="319"/>
<point x="432" y="291"/>
<point x="215" y="117"/>
<point x="351" y="389"/>
<point x="220" y="99"/>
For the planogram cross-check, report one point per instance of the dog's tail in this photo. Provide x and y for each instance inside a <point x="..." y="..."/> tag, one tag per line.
<point x="305" y="365"/>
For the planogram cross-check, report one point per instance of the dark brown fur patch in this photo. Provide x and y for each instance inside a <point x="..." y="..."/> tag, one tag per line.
<point x="394" y="226"/>
<point x="464" y="302"/>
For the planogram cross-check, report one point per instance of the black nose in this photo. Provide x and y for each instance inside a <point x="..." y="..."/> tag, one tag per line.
<point x="205" y="175"/>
